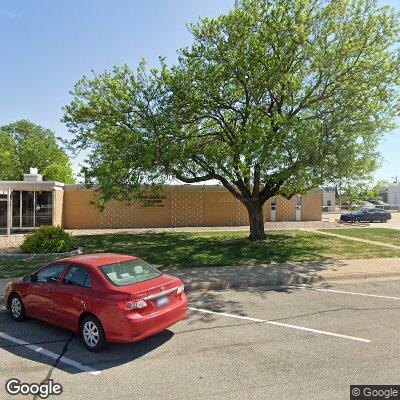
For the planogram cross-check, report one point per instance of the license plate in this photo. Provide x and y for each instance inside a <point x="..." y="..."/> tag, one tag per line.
<point x="162" y="301"/>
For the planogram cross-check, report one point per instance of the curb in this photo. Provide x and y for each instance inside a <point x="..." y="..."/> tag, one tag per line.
<point x="284" y="281"/>
<point x="17" y="256"/>
<point x="360" y="276"/>
<point x="288" y="281"/>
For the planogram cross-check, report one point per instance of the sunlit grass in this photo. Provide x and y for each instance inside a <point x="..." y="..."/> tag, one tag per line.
<point x="202" y="249"/>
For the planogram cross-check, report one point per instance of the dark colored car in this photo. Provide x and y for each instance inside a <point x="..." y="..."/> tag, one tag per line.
<point x="104" y="297"/>
<point x="366" y="215"/>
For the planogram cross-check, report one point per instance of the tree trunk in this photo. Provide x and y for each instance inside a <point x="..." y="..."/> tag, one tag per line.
<point x="256" y="219"/>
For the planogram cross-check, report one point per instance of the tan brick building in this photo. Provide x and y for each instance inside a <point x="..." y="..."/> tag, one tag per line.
<point x="32" y="202"/>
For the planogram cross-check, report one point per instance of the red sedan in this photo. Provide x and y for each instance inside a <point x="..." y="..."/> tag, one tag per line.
<point x="104" y="297"/>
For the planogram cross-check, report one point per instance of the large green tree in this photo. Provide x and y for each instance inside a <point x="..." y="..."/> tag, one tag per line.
<point x="273" y="98"/>
<point x="355" y="191"/>
<point x="24" y="144"/>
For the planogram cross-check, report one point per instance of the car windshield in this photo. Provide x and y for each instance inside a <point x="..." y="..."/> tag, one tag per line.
<point x="129" y="272"/>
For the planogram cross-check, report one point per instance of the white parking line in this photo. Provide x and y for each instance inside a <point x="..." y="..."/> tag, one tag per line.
<point x="356" y="293"/>
<point x="300" y="328"/>
<point x="50" y="354"/>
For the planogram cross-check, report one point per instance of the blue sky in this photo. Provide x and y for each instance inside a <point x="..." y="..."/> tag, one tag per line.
<point x="47" y="45"/>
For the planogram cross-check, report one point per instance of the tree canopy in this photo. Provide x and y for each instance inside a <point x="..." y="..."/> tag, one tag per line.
<point x="24" y="144"/>
<point x="273" y="98"/>
<point x="357" y="191"/>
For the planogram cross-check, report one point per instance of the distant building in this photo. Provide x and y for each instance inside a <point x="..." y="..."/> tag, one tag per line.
<point x="33" y="202"/>
<point x="393" y="194"/>
<point x="328" y="198"/>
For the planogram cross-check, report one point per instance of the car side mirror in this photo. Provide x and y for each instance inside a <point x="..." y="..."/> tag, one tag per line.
<point x="28" y="278"/>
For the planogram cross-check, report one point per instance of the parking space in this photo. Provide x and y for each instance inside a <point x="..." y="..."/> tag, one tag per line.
<point x="393" y="223"/>
<point x="291" y="343"/>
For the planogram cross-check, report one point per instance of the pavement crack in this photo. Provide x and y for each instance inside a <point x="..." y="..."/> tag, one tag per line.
<point x="218" y="327"/>
<point x="325" y="296"/>
<point x="63" y="351"/>
<point x="312" y="313"/>
<point x="337" y="310"/>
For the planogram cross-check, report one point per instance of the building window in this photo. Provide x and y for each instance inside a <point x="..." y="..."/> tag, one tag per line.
<point x="3" y="211"/>
<point x="28" y="207"/>
<point x="31" y="209"/>
<point x="44" y="208"/>
<point x="16" y="209"/>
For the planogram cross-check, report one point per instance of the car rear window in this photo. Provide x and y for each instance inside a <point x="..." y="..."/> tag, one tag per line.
<point x="129" y="272"/>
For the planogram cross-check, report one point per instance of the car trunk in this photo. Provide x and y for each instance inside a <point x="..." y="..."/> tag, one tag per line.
<point x="158" y="293"/>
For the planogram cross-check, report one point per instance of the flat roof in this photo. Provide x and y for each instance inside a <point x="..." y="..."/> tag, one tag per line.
<point x="49" y="185"/>
<point x="26" y="185"/>
<point x="183" y="187"/>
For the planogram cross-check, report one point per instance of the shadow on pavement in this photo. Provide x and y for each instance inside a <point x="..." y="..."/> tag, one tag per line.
<point x="214" y="300"/>
<point x="63" y="342"/>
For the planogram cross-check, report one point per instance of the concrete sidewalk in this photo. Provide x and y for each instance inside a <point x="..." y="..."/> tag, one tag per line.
<point x="293" y="273"/>
<point x="289" y="273"/>
<point x="354" y="239"/>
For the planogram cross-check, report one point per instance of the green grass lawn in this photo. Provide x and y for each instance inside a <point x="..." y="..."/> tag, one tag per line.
<point x="385" y="235"/>
<point x="10" y="268"/>
<point x="185" y="250"/>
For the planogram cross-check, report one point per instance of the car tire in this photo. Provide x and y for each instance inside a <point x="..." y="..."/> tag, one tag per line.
<point x="17" y="308"/>
<point x="358" y="219"/>
<point x="92" y="333"/>
<point x="384" y="219"/>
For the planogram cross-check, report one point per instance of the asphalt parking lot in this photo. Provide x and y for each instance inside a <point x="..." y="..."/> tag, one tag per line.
<point x="393" y="223"/>
<point x="283" y="343"/>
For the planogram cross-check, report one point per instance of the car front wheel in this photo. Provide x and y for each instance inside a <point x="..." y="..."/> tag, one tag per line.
<point x="17" y="308"/>
<point x="383" y="219"/>
<point x="358" y="219"/>
<point x="92" y="333"/>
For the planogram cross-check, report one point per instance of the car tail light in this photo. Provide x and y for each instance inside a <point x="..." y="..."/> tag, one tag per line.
<point x="132" y="305"/>
<point x="180" y="289"/>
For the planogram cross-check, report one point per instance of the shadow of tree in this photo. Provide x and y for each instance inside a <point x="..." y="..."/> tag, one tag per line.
<point x="216" y="301"/>
<point x="182" y="250"/>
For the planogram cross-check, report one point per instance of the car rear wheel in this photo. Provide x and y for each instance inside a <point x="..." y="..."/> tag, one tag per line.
<point x="92" y="333"/>
<point x="17" y="308"/>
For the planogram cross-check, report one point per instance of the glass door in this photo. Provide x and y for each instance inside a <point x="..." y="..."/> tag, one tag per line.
<point x="3" y="211"/>
<point x="44" y="208"/>
<point x="16" y="209"/>
<point x="28" y="208"/>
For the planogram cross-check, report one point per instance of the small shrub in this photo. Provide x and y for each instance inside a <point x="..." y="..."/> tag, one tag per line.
<point x="48" y="239"/>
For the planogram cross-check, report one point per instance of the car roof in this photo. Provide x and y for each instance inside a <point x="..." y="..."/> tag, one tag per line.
<point x="99" y="259"/>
